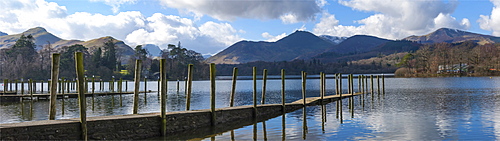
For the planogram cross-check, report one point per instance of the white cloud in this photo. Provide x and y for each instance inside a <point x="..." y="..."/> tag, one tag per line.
<point x="492" y="21"/>
<point x="394" y="19"/>
<point x="132" y="27"/>
<point x="162" y="30"/>
<point x="271" y="38"/>
<point x="289" y="11"/>
<point x="115" y="4"/>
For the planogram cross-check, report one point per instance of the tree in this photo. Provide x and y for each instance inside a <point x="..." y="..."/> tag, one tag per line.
<point x="68" y="60"/>
<point x="109" y="58"/>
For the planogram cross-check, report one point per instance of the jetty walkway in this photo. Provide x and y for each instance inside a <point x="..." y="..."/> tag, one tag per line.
<point x="148" y="125"/>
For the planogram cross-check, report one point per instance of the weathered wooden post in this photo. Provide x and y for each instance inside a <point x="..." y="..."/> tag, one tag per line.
<point x="383" y="84"/>
<point x="304" y="79"/>
<point x="359" y="83"/>
<point x="30" y="82"/>
<point x="254" y="77"/>
<point x="283" y="90"/>
<point x="378" y="84"/>
<point x="145" y="89"/>
<point x="371" y="83"/>
<point x="81" y="93"/>
<point x="336" y="83"/>
<point x="54" y="76"/>
<point x="233" y="88"/>
<point x="137" y="82"/>
<point x="22" y="86"/>
<point x="321" y="86"/>
<point x="189" y="87"/>
<point x="264" y="83"/>
<point x="16" y="87"/>
<point x="5" y="84"/>
<point x="41" y="85"/>
<point x="340" y="86"/>
<point x="163" y="78"/>
<point x="212" y="92"/>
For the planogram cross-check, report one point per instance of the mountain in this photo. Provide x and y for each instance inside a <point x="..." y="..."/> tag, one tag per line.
<point x="285" y="49"/>
<point x="333" y="39"/>
<point x="153" y="50"/>
<point x="453" y="36"/>
<point x="3" y="34"/>
<point x="354" y="45"/>
<point x="43" y="37"/>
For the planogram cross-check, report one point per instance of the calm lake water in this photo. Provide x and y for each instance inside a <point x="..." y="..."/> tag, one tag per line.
<point x="454" y="108"/>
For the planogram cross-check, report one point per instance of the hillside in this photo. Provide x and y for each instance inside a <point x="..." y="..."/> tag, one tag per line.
<point x="43" y="37"/>
<point x="453" y="36"/>
<point x="2" y="33"/>
<point x="286" y="49"/>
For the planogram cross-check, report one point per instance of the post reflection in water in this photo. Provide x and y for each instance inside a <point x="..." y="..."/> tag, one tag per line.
<point x="283" y="127"/>
<point x="304" y="123"/>
<point x="264" y="130"/>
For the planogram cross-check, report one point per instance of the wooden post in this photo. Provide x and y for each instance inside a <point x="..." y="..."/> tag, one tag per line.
<point x="41" y="85"/>
<point x="304" y="79"/>
<point x="22" y="86"/>
<point x="163" y="80"/>
<point x="264" y="82"/>
<point x="371" y="83"/>
<point x="16" y="87"/>
<point x="383" y="84"/>
<point x="254" y="77"/>
<point x="5" y="81"/>
<point x="137" y="81"/>
<point x="30" y="82"/>
<point x="81" y="95"/>
<point x="233" y="88"/>
<point x="283" y="90"/>
<point x="340" y="85"/>
<point x="54" y="76"/>
<point x="378" y="84"/>
<point x="359" y="83"/>
<point x="336" y="83"/>
<point x="189" y="86"/>
<point x="145" y="89"/>
<point x="212" y="92"/>
<point x="321" y="86"/>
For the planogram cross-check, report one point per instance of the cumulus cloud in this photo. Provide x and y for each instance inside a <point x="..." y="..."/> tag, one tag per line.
<point x="395" y="19"/>
<point x="132" y="27"/>
<point x="162" y="30"/>
<point x="115" y="4"/>
<point x="271" y="38"/>
<point x="289" y="11"/>
<point x="491" y="22"/>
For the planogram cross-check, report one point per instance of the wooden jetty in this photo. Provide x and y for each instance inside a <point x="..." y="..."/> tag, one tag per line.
<point x="13" y="97"/>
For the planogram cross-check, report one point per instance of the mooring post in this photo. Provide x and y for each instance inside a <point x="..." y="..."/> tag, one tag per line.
<point x="359" y="83"/>
<point x="163" y="78"/>
<point x="340" y="86"/>
<point x="212" y="92"/>
<point x="352" y="84"/>
<point x="264" y="82"/>
<point x="233" y="87"/>
<point x="283" y="90"/>
<point x="178" y="86"/>
<point x="81" y="93"/>
<point x="336" y="83"/>
<point x="304" y="79"/>
<point x="189" y="87"/>
<point x="371" y="83"/>
<point x="137" y="82"/>
<point x="254" y="77"/>
<point x="22" y="86"/>
<point x="5" y="81"/>
<point x="378" y="84"/>
<point x="30" y="82"/>
<point x="383" y="84"/>
<point x="16" y="86"/>
<point x="54" y="76"/>
<point x="321" y="85"/>
<point x="145" y="89"/>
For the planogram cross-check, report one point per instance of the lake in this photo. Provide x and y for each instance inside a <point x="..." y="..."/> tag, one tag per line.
<point x="452" y="108"/>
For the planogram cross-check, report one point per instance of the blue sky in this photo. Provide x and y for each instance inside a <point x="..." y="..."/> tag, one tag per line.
<point x="208" y="26"/>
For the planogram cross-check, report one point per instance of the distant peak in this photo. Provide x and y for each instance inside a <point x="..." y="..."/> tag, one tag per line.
<point x="36" y="30"/>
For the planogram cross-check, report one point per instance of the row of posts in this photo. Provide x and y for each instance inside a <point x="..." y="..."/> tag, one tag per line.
<point x="16" y="86"/>
<point x="163" y="89"/>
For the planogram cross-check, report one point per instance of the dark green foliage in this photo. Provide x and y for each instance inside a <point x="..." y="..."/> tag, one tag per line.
<point x="68" y="60"/>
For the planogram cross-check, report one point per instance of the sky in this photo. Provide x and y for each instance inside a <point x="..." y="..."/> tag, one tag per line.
<point x="209" y="26"/>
